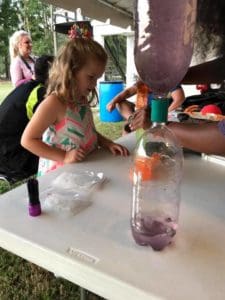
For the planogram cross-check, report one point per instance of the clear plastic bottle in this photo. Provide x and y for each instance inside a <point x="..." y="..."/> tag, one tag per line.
<point x="163" y="41"/>
<point x="156" y="178"/>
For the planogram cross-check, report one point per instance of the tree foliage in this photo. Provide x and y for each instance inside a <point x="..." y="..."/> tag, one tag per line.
<point x="32" y="16"/>
<point x="35" y="18"/>
<point x="8" y="24"/>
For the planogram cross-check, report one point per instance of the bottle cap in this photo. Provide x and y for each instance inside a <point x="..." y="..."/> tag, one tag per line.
<point x="33" y="196"/>
<point x="159" y="110"/>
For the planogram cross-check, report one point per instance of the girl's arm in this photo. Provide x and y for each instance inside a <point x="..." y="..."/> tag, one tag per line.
<point x="47" y="113"/>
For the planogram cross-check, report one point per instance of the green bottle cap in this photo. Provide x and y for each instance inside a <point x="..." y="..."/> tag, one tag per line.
<point x="159" y="110"/>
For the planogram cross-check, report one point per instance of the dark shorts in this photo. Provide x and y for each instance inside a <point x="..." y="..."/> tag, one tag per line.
<point x="221" y="126"/>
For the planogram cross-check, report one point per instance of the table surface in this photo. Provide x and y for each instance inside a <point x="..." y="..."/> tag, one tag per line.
<point x="95" y="249"/>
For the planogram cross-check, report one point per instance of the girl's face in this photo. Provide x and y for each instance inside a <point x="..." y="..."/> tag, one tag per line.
<point x="86" y="78"/>
<point x="25" y="46"/>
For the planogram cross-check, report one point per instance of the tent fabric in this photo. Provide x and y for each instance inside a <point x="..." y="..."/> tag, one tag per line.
<point x="120" y="12"/>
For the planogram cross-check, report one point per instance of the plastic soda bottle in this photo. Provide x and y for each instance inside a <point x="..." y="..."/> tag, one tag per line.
<point x="163" y="41"/>
<point x="156" y="178"/>
<point x="142" y="95"/>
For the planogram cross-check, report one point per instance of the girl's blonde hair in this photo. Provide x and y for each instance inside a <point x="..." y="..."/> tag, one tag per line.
<point x="14" y="42"/>
<point x="71" y="58"/>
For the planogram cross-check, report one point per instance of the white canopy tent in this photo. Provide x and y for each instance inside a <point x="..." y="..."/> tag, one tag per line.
<point x="115" y="12"/>
<point x="120" y="12"/>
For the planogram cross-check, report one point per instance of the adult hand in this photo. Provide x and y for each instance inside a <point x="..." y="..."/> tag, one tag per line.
<point x="178" y="98"/>
<point x="74" y="155"/>
<point x="140" y="119"/>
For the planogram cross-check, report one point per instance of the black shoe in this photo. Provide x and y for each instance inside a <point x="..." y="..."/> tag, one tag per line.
<point x="127" y="128"/>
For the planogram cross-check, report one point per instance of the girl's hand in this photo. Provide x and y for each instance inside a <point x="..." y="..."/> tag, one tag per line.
<point x="117" y="149"/>
<point x="74" y="155"/>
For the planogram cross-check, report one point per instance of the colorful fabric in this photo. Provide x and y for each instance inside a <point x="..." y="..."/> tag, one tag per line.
<point x="32" y="101"/>
<point x="75" y="130"/>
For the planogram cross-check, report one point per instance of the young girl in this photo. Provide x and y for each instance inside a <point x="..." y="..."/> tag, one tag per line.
<point x="65" y="116"/>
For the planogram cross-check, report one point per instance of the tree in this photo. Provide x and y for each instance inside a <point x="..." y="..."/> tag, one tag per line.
<point x="8" y="24"/>
<point x="32" y="16"/>
<point x="35" y="18"/>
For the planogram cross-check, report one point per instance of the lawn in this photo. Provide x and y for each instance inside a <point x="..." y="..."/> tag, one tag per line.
<point x="20" y="279"/>
<point x="5" y="88"/>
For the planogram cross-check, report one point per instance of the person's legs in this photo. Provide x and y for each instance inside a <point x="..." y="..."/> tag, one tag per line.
<point x="126" y="110"/>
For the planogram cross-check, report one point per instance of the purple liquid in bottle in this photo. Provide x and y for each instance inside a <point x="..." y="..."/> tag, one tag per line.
<point x="155" y="233"/>
<point x="163" y="41"/>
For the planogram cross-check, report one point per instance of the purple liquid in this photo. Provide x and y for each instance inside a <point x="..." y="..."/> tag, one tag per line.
<point x="154" y="233"/>
<point x="163" y="41"/>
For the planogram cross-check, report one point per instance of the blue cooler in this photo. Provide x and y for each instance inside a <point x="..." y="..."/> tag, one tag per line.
<point x="107" y="91"/>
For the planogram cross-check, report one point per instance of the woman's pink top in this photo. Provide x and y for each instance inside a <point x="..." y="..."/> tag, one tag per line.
<point x="20" y="72"/>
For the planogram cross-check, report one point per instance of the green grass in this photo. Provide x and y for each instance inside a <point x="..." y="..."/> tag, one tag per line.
<point x="5" y="88"/>
<point x="112" y="130"/>
<point x="20" y="279"/>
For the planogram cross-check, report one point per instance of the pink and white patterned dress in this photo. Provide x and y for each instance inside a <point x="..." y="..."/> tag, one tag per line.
<point x="76" y="130"/>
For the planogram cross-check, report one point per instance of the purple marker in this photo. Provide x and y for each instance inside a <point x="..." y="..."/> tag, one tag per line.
<point x="34" y="203"/>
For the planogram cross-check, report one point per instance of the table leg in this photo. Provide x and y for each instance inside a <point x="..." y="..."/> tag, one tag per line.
<point x="83" y="294"/>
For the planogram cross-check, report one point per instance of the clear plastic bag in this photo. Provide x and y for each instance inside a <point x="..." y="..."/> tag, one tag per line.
<point x="64" y="202"/>
<point x="81" y="180"/>
<point x="69" y="193"/>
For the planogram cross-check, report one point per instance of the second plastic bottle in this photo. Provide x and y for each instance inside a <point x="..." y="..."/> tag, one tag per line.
<point x="156" y="177"/>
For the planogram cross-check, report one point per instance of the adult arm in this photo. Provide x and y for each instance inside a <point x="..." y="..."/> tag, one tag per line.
<point x="178" y="98"/>
<point x="16" y="72"/>
<point x="127" y="93"/>
<point x="205" y="137"/>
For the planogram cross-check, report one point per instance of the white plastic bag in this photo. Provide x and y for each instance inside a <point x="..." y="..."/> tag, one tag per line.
<point x="69" y="193"/>
<point x="64" y="202"/>
<point x="81" y="180"/>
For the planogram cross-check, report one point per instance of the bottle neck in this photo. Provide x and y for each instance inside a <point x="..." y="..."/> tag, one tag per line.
<point x="159" y="111"/>
<point x="154" y="124"/>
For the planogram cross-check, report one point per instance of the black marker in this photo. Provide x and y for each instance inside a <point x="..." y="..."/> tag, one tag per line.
<point x="33" y="193"/>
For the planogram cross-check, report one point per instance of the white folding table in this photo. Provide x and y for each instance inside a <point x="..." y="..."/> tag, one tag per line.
<point x="95" y="248"/>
